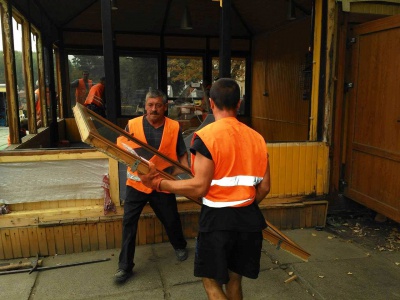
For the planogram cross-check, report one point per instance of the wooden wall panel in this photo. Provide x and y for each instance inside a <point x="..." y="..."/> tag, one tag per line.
<point x="298" y="169"/>
<point x="279" y="112"/>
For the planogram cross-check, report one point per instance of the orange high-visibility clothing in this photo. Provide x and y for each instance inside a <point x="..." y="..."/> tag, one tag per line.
<point x="37" y="104"/>
<point x="81" y="91"/>
<point x="240" y="157"/>
<point x="96" y="95"/>
<point x="168" y="145"/>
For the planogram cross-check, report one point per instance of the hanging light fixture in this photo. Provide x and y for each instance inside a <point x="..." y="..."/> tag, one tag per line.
<point x="291" y="12"/>
<point x="114" y="5"/>
<point x="186" y="22"/>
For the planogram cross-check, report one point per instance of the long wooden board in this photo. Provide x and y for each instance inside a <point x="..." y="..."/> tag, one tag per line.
<point x="86" y="120"/>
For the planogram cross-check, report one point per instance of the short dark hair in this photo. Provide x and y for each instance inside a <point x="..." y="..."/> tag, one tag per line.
<point x="225" y="93"/>
<point x="156" y="94"/>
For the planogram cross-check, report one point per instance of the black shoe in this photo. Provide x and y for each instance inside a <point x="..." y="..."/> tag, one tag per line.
<point x="181" y="254"/>
<point x="121" y="276"/>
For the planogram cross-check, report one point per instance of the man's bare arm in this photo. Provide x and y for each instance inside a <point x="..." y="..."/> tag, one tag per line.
<point x="195" y="187"/>
<point x="262" y="189"/>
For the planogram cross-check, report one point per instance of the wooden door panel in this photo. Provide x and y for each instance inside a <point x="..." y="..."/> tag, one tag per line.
<point x="373" y="148"/>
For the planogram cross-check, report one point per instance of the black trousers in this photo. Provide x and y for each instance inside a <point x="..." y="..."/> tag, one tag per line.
<point x="165" y="208"/>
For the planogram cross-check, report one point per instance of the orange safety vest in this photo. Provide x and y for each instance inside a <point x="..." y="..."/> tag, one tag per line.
<point x="168" y="144"/>
<point x="240" y="157"/>
<point x="81" y="91"/>
<point x="38" y="106"/>
<point x="96" y="95"/>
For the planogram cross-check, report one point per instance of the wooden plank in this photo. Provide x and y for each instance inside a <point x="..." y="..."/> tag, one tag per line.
<point x="314" y="159"/>
<point x="93" y="237"/>
<point x="158" y="231"/>
<point x="308" y="211"/>
<point x="51" y="244"/>
<point x="33" y="241"/>
<point x="24" y="240"/>
<point x="15" y="243"/>
<point x="6" y="240"/>
<point x="59" y="239"/>
<point x="274" y="161"/>
<point x="289" y="171"/>
<point x="308" y="169"/>
<point x="149" y="230"/>
<point x="276" y="237"/>
<point x="101" y="231"/>
<point x="302" y="168"/>
<point x="142" y="231"/>
<point x="282" y="169"/>
<point x="76" y="238"/>
<point x="118" y="233"/>
<point x="42" y="241"/>
<point x="85" y="237"/>
<point x="68" y="240"/>
<point x="295" y="168"/>
<point x="110" y="235"/>
<point x="2" y="256"/>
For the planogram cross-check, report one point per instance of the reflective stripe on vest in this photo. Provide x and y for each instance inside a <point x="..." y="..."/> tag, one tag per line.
<point x="231" y="144"/>
<point x="237" y="180"/>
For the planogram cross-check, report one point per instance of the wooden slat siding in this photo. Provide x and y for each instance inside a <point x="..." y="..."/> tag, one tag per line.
<point x="42" y="241"/>
<point x="302" y="168"/>
<point x="85" y="237"/>
<point x="15" y="243"/>
<point x="302" y="218"/>
<point x="308" y="212"/>
<point x="6" y="241"/>
<point x="274" y="166"/>
<point x="141" y="232"/>
<point x="282" y="169"/>
<point x="314" y="160"/>
<point x="2" y="256"/>
<point x="69" y="244"/>
<point x="110" y="236"/>
<point x="33" y="241"/>
<point x="93" y="237"/>
<point x="322" y="170"/>
<point x="59" y="239"/>
<point x="76" y="238"/>
<point x="296" y="218"/>
<point x="295" y="169"/>
<point x="117" y="233"/>
<point x="101" y="232"/>
<point x="158" y="231"/>
<point x="24" y="239"/>
<point x="51" y="244"/>
<point x="288" y="172"/>
<point x="282" y="115"/>
<point x="149" y="221"/>
<point x="308" y="169"/>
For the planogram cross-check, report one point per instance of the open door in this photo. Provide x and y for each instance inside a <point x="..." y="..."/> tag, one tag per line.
<point x="373" y="141"/>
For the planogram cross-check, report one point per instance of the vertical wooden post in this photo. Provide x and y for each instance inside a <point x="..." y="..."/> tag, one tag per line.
<point x="316" y="69"/>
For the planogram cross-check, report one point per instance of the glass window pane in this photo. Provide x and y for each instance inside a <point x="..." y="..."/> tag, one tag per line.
<point x="17" y="33"/>
<point x="185" y="91"/>
<point x="137" y="76"/>
<point x="84" y="72"/>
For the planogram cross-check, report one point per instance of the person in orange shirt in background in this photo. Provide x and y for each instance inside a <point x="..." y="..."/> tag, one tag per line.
<point x="95" y="100"/>
<point x="82" y="87"/>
